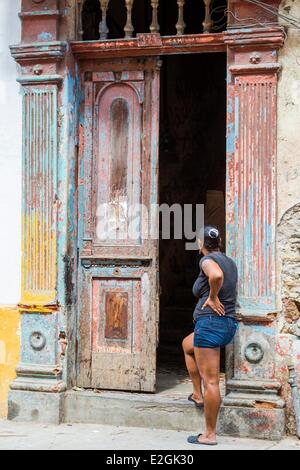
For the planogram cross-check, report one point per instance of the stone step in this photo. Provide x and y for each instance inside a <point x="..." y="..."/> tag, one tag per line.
<point x="157" y="411"/>
<point x="133" y="410"/>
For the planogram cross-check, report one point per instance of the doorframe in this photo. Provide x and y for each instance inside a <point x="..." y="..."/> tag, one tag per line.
<point x="250" y="55"/>
<point x="87" y="58"/>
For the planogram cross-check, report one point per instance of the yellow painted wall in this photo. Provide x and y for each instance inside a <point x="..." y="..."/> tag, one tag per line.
<point x="9" y="352"/>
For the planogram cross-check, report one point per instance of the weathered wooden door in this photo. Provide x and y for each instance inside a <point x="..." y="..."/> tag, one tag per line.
<point x="118" y="224"/>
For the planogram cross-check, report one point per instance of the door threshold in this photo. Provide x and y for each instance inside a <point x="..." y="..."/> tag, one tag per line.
<point x="170" y="388"/>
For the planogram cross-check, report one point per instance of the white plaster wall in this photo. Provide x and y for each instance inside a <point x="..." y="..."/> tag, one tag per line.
<point x="289" y="116"/>
<point x="10" y="157"/>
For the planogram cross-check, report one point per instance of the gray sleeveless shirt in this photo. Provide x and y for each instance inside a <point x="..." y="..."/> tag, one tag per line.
<point x="228" y="292"/>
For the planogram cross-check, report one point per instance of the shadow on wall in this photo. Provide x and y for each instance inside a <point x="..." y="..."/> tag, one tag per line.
<point x="9" y="352"/>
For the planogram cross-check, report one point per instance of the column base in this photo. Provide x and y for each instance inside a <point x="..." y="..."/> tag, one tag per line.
<point x="253" y="423"/>
<point x="39" y="378"/>
<point x="38" y="407"/>
<point x="254" y="409"/>
<point x="254" y="394"/>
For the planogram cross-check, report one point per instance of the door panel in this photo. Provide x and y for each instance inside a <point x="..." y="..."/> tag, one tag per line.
<point x="118" y="174"/>
<point x="118" y="291"/>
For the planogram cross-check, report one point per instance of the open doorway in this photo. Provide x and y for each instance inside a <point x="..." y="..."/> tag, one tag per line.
<point x="192" y="171"/>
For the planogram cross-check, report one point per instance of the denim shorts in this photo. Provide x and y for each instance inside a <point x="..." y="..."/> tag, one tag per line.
<point x="213" y="331"/>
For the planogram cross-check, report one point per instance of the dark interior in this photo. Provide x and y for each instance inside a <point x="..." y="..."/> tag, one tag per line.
<point x="192" y="151"/>
<point x="192" y="171"/>
<point x="194" y="13"/>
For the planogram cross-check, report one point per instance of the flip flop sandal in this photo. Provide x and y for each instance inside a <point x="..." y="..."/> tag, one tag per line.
<point x="198" y="405"/>
<point x="194" y="440"/>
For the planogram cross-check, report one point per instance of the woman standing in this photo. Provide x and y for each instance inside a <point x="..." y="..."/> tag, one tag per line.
<point x="215" y="327"/>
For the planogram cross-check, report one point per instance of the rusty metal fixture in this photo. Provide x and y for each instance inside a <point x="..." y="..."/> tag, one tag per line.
<point x="38" y="341"/>
<point x="154" y="27"/>
<point x="103" y="28"/>
<point x="180" y="26"/>
<point x="129" y="26"/>
<point x="254" y="353"/>
<point x="63" y="343"/>
<point x="295" y="395"/>
<point x="207" y="23"/>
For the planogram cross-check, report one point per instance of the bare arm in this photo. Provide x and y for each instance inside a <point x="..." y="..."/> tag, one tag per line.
<point x="215" y="278"/>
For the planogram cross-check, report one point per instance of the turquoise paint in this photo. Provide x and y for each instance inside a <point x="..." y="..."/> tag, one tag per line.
<point x="238" y="30"/>
<point x="263" y="329"/>
<point x="46" y="325"/>
<point x="45" y="37"/>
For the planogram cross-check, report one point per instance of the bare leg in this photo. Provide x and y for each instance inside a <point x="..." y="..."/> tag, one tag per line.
<point x="188" y="349"/>
<point x="208" y="362"/>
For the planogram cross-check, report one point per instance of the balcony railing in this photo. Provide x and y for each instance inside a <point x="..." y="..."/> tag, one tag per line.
<point x="114" y="19"/>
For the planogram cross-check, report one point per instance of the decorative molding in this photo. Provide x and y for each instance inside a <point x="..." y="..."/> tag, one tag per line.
<point x="39" y="197"/>
<point x="39" y="378"/>
<point x="120" y="263"/>
<point x="46" y="371"/>
<point x="40" y="13"/>
<point x="31" y="385"/>
<point x="270" y="38"/>
<point x="39" y="51"/>
<point x="154" y="44"/>
<point x="41" y="79"/>
<point x="150" y="44"/>
<point x="251" y="190"/>
<point x="40" y="309"/>
<point x="251" y="69"/>
<point x="257" y="394"/>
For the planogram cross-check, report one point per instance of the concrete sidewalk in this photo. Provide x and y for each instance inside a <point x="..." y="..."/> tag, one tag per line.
<point x="23" y="436"/>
